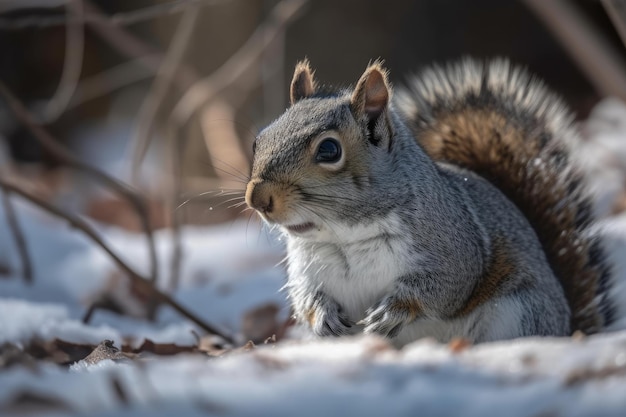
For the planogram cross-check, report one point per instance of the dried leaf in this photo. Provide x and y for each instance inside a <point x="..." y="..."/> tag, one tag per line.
<point x="261" y="323"/>
<point x="106" y="350"/>
<point x="58" y="351"/>
<point x="148" y="346"/>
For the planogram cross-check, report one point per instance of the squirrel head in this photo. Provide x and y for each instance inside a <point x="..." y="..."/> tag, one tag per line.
<point x="316" y="167"/>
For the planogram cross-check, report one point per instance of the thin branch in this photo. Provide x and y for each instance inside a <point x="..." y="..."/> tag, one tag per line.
<point x="112" y="79"/>
<point x="147" y="115"/>
<point x="616" y="9"/>
<point x="74" y="221"/>
<point x="20" y="241"/>
<point x="273" y="76"/>
<point x="66" y="157"/>
<point x="176" y="255"/>
<point x="90" y="232"/>
<point x="72" y="65"/>
<point x="604" y="68"/>
<point x="132" y="47"/>
<point x="121" y="19"/>
<point x="154" y="99"/>
<point x="12" y="5"/>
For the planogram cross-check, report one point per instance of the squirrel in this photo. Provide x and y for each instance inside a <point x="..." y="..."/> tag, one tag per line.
<point x="450" y="209"/>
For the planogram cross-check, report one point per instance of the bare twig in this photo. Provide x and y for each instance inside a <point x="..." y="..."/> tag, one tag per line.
<point x="153" y="100"/>
<point x="72" y="65"/>
<point x="12" y="5"/>
<point x="177" y="177"/>
<point x="133" y="47"/>
<point x="6" y="167"/>
<point x="616" y="9"/>
<point x="603" y="66"/>
<point x="121" y="19"/>
<point x="112" y="79"/>
<point x="90" y="232"/>
<point x="66" y="157"/>
<point x="273" y="76"/>
<point x="20" y="242"/>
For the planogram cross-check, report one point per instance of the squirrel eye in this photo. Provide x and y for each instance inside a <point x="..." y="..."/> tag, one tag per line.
<point x="328" y="151"/>
<point x="254" y="147"/>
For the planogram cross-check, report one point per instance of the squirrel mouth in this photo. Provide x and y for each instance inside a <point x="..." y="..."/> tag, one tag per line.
<point x="300" y="228"/>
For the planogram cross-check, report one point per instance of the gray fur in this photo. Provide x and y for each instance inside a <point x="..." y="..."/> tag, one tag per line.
<point x="406" y="231"/>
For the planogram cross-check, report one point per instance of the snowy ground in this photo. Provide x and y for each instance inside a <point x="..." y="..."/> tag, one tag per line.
<point x="533" y="377"/>
<point x="228" y="272"/>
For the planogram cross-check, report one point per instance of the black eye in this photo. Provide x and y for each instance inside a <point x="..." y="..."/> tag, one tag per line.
<point x="254" y="147"/>
<point x="329" y="150"/>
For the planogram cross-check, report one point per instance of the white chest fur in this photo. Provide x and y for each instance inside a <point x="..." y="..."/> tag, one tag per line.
<point x="357" y="268"/>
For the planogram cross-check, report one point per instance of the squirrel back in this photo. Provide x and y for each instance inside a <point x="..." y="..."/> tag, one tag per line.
<point x="496" y="120"/>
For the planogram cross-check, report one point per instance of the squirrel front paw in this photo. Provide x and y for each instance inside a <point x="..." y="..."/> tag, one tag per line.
<point x="326" y="319"/>
<point x="388" y="316"/>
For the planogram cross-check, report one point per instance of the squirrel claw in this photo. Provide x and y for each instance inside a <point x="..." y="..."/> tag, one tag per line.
<point x="384" y="320"/>
<point x="330" y="322"/>
<point x="333" y="326"/>
<point x="347" y="323"/>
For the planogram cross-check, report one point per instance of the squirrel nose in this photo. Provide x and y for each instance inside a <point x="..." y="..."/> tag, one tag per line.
<point x="259" y="197"/>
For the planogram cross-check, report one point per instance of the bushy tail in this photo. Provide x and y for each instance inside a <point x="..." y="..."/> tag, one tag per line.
<point x="496" y="120"/>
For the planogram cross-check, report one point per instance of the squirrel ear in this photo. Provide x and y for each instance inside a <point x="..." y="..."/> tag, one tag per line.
<point x="302" y="84"/>
<point x="371" y="94"/>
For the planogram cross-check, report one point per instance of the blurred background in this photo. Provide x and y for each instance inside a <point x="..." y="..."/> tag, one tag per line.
<point x="126" y="84"/>
<point x="133" y="120"/>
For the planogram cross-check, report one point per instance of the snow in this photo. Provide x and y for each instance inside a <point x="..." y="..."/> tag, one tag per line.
<point x="21" y="321"/>
<point x="228" y="271"/>
<point x="603" y="154"/>
<point x="362" y="376"/>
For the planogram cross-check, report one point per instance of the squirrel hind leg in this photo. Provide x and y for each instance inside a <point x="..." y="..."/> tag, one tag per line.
<point x="522" y="314"/>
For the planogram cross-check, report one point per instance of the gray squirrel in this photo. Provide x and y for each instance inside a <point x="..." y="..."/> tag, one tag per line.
<point x="450" y="210"/>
